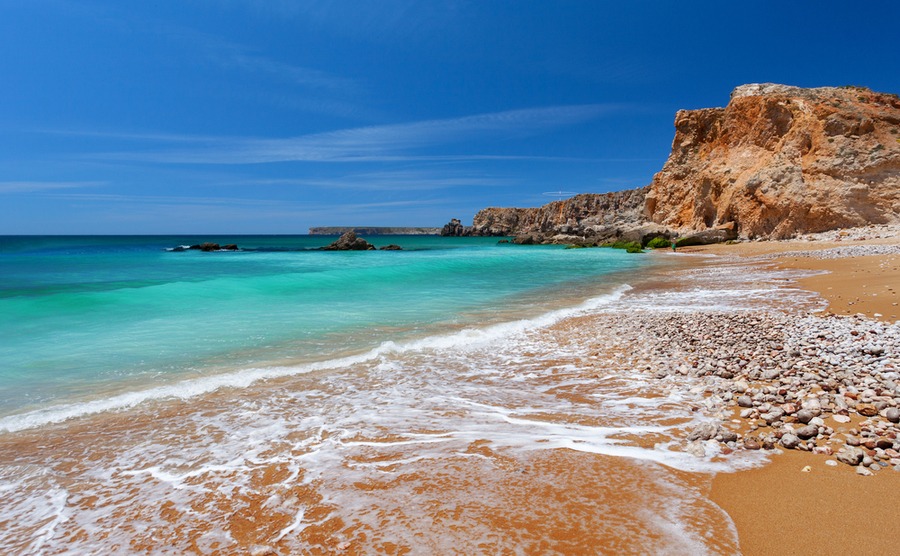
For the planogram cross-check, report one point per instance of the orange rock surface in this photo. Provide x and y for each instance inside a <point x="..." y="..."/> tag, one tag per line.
<point x="780" y="160"/>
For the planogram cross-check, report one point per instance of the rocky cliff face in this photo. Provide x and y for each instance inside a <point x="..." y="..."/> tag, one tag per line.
<point x="776" y="162"/>
<point x="782" y="160"/>
<point x="586" y="214"/>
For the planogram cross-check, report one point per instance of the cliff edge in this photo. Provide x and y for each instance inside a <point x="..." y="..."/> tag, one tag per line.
<point x="777" y="161"/>
<point x="780" y="160"/>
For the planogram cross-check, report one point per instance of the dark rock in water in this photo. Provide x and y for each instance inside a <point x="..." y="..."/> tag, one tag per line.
<point x="349" y="242"/>
<point x="392" y="247"/>
<point x="230" y="247"/>
<point x="503" y="241"/>
<point x="455" y="228"/>
<point x="206" y="247"/>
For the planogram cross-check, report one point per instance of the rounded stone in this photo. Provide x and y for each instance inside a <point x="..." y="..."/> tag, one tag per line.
<point x="790" y="441"/>
<point x="892" y="414"/>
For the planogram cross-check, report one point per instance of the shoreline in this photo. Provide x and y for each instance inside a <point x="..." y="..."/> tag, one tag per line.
<point x="636" y="399"/>
<point x="796" y="503"/>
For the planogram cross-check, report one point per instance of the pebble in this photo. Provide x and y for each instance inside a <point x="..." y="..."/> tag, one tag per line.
<point x="788" y="372"/>
<point x="892" y="414"/>
<point x="790" y="441"/>
<point x="850" y="455"/>
<point x="860" y="470"/>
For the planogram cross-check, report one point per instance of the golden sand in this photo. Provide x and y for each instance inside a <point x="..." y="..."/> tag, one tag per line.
<point x="779" y="508"/>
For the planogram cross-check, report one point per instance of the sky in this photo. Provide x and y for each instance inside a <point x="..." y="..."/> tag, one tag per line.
<point x="271" y="116"/>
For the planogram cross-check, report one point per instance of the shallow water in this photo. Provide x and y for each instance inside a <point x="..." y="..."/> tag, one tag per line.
<point x="533" y="435"/>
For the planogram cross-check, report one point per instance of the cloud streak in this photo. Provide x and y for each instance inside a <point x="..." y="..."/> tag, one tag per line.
<point x="392" y="142"/>
<point x="43" y="186"/>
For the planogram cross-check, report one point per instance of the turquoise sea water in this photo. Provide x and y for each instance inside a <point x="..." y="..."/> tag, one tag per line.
<point x="82" y="318"/>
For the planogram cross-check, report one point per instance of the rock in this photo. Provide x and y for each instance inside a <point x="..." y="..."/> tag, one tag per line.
<point x="601" y="216"/>
<point x="230" y="247"/>
<point x="884" y="443"/>
<point x="726" y="435"/>
<point x="807" y="432"/>
<point x="262" y="550"/>
<point x="392" y="247"/>
<point x="850" y="455"/>
<point x="695" y="449"/>
<point x="841" y="418"/>
<point x="704" y="431"/>
<point x="455" y="228"/>
<point x="774" y="414"/>
<point x="866" y="409"/>
<point x="790" y="441"/>
<point x="892" y="414"/>
<point x="751" y="444"/>
<point x="805" y="416"/>
<point x="861" y="470"/>
<point x="779" y="160"/>
<point x="206" y="247"/>
<point x="745" y="401"/>
<point x="707" y="237"/>
<point x="349" y="242"/>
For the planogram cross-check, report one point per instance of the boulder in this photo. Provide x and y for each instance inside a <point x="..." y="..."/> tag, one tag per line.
<point x="454" y="228"/>
<point x="392" y="247"/>
<point x="349" y="242"/>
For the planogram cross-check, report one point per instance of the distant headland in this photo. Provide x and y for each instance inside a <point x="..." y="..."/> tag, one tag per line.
<point x="776" y="162"/>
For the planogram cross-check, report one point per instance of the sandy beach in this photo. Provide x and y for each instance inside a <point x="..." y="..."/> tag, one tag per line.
<point x="797" y="504"/>
<point x="724" y="404"/>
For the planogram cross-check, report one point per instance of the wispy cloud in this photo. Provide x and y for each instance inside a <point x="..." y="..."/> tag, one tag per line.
<point x="43" y="186"/>
<point x="398" y="180"/>
<point x="376" y="143"/>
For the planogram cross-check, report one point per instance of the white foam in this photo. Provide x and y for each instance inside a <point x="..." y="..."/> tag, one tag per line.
<point x="468" y="338"/>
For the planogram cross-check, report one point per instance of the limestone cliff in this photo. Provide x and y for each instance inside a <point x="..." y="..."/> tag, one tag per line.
<point x="782" y="160"/>
<point x="586" y="214"/>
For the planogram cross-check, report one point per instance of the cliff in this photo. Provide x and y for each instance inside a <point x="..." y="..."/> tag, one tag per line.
<point x="779" y="160"/>
<point x="775" y="162"/>
<point x="586" y="214"/>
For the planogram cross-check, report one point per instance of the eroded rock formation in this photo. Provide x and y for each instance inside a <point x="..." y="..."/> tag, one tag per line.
<point x="779" y="160"/>
<point x="586" y="214"/>
<point x="776" y="162"/>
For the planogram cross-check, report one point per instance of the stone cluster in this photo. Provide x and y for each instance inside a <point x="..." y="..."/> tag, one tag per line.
<point x="792" y="380"/>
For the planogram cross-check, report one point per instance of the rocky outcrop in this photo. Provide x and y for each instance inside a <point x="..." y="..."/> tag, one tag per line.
<point x="588" y="214"/>
<point x="776" y="162"/>
<point x="349" y="242"/>
<point x="779" y="161"/>
<point x="454" y="228"/>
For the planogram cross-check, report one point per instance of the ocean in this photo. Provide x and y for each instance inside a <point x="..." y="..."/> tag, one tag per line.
<point x="84" y="319"/>
<point x="461" y="396"/>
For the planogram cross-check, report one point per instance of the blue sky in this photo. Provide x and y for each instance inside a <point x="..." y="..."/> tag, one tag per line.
<point x="270" y="116"/>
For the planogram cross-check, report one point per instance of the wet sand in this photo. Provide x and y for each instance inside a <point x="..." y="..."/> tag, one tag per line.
<point x="561" y="439"/>
<point x="779" y="508"/>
